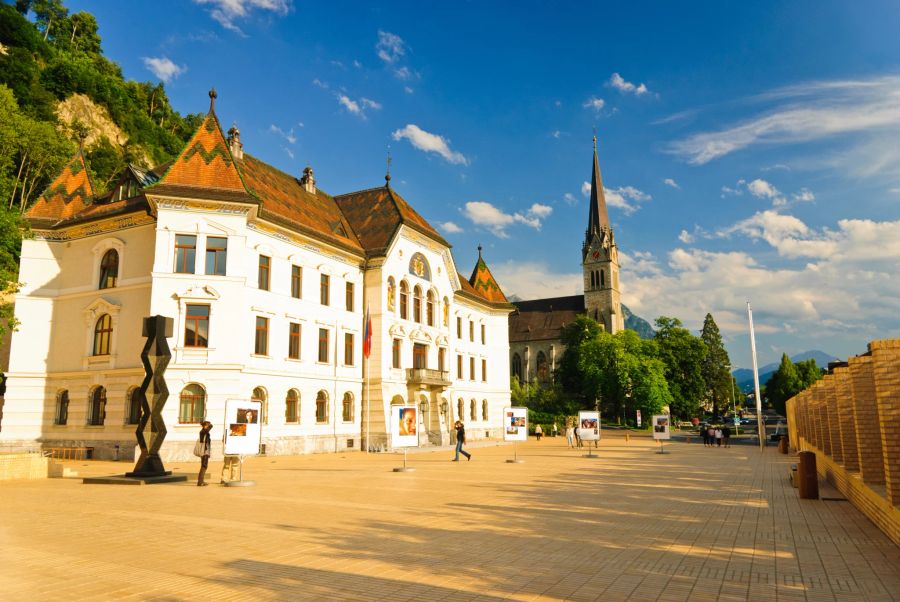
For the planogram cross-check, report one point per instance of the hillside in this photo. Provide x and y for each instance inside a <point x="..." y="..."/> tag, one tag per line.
<point x="637" y="324"/>
<point x="744" y="376"/>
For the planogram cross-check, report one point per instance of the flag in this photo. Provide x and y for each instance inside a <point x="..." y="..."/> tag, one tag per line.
<point x="367" y="335"/>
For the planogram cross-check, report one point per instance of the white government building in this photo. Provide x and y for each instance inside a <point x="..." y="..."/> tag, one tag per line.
<point x="267" y="279"/>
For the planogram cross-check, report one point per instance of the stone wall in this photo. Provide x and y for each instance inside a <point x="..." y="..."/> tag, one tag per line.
<point x="23" y="466"/>
<point x="851" y="420"/>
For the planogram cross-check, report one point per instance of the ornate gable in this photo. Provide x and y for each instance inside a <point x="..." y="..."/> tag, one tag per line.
<point x="67" y="195"/>
<point x="484" y="283"/>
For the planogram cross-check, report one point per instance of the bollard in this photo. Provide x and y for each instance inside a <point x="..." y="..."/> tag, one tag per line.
<point x="627" y="436"/>
<point x="783" y="444"/>
<point x="807" y="475"/>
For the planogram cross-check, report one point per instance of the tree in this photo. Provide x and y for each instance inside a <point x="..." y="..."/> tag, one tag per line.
<point x="682" y="354"/>
<point x="808" y="371"/>
<point x="569" y="374"/>
<point x="716" y="366"/>
<point x="783" y="384"/>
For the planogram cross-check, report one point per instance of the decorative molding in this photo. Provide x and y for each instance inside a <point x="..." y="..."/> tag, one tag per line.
<point x="205" y="293"/>
<point x="124" y="222"/>
<point x="197" y="205"/>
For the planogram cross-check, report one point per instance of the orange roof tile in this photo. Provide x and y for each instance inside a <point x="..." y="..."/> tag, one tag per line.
<point x="67" y="195"/>
<point x="205" y="162"/>
<point x="484" y="283"/>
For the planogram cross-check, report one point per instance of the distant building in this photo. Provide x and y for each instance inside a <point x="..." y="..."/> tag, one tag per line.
<point x="535" y="326"/>
<point x="268" y="280"/>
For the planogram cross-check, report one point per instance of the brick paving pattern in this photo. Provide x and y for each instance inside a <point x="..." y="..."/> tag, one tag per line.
<point x="694" y="524"/>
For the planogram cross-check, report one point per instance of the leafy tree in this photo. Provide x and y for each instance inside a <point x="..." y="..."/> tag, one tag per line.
<point x="716" y="366"/>
<point x="569" y="374"/>
<point x="783" y="384"/>
<point x="809" y="372"/>
<point x="105" y="162"/>
<point x="682" y="354"/>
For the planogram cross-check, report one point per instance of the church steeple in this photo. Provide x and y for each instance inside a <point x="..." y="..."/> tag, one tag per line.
<point x="598" y="218"/>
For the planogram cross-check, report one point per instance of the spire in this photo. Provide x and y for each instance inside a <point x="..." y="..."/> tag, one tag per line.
<point x="212" y="100"/>
<point x="387" y="175"/>
<point x="598" y="218"/>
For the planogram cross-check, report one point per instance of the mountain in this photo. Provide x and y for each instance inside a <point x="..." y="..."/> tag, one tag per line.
<point x="638" y="324"/>
<point x="744" y="376"/>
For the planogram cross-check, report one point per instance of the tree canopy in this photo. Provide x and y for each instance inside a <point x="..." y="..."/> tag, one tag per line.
<point x="789" y="379"/>
<point x="716" y="368"/>
<point x="683" y="355"/>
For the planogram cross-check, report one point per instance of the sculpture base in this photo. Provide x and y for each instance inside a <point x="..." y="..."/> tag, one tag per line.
<point x="238" y="483"/>
<point x="405" y="469"/>
<point x="515" y="461"/>
<point x="135" y="479"/>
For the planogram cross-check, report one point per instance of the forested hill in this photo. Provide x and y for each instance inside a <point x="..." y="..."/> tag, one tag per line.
<point x="56" y="90"/>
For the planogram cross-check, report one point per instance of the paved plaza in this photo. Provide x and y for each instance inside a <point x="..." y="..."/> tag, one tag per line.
<point x="693" y="524"/>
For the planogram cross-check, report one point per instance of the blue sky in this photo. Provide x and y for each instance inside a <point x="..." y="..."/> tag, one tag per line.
<point x="749" y="150"/>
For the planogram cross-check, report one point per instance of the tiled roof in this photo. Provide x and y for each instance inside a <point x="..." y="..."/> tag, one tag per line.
<point x="543" y="319"/>
<point x="70" y="193"/>
<point x="484" y="283"/>
<point x="283" y="199"/>
<point x="375" y="215"/>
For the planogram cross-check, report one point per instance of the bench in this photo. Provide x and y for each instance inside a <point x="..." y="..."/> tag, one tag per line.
<point x="69" y="453"/>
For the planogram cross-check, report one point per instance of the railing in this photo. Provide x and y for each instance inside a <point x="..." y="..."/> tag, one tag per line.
<point x="69" y="453"/>
<point x="426" y="376"/>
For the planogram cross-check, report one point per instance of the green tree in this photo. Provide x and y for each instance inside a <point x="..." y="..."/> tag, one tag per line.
<point x="784" y="383"/>
<point x="809" y="372"/>
<point x="569" y="374"/>
<point x="716" y="367"/>
<point x="682" y="354"/>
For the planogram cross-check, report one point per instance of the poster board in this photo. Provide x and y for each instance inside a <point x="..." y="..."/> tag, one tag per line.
<point x="515" y="424"/>
<point x="660" y="426"/>
<point x="404" y="426"/>
<point x="243" y="427"/>
<point x="589" y="425"/>
<point x="639" y="419"/>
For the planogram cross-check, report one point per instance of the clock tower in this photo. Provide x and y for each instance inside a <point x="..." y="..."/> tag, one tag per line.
<point x="600" y="260"/>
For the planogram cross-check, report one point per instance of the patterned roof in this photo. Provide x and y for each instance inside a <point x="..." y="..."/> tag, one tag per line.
<point x="376" y="214"/>
<point x="484" y="283"/>
<point x="70" y="193"/>
<point x="543" y="319"/>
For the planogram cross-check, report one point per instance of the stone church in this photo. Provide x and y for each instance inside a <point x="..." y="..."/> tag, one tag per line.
<point x="535" y="326"/>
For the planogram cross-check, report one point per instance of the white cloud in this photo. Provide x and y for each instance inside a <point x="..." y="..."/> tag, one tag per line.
<point x="570" y="199"/>
<point x="586" y="188"/>
<point x="788" y="235"/>
<point x="357" y="64"/>
<point x="625" y="198"/>
<point x="289" y="152"/>
<point x="672" y="183"/>
<point x="805" y="112"/>
<point x="764" y="190"/>
<point x="619" y="83"/>
<point x="686" y="237"/>
<point x="450" y="228"/>
<point x="535" y="280"/>
<point x="495" y="220"/>
<point x="804" y="195"/>
<point x="408" y="90"/>
<point x="403" y="73"/>
<point x="555" y="134"/>
<point x="390" y="47"/>
<point x="226" y="12"/>
<point x="594" y="103"/>
<point x="289" y="135"/>
<point x="357" y="107"/>
<point x="428" y="142"/>
<point x="163" y="68"/>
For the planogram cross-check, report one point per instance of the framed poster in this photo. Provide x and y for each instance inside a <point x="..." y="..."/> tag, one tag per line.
<point x="589" y="425"/>
<point x="515" y="423"/>
<point x="660" y="426"/>
<point x="404" y="426"/>
<point x="243" y="427"/>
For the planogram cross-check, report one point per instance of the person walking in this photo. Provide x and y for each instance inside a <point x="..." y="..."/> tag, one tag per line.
<point x="570" y="435"/>
<point x="726" y="436"/>
<point x="205" y="442"/>
<point x="711" y="435"/>
<point x="538" y="431"/>
<point x="718" y="437"/>
<point x="578" y="441"/>
<point x="554" y="429"/>
<point x="460" y="439"/>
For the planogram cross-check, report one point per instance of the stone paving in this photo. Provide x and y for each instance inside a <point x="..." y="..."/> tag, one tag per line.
<point x="693" y="524"/>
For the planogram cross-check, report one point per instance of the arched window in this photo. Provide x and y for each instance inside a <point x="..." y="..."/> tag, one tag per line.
<point x="292" y="406"/>
<point x="109" y="269"/>
<point x="347" y="407"/>
<point x="133" y="406"/>
<point x="541" y="367"/>
<point x="417" y="304"/>
<point x="460" y="409"/>
<point x="404" y="300"/>
<point x="102" y="335"/>
<point x="473" y="410"/>
<point x="192" y="404"/>
<point x="322" y="407"/>
<point x="602" y="279"/>
<point x="517" y="367"/>
<point x="484" y="410"/>
<point x="62" y="407"/>
<point x="97" y="406"/>
<point x="592" y="279"/>
<point x="429" y="308"/>
<point x="391" y="291"/>
<point x="260" y="395"/>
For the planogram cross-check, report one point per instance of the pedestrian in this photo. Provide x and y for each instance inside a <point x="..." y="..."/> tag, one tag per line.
<point x="570" y="435"/>
<point x="726" y="436"/>
<point x="578" y="440"/>
<point x="718" y="437"/>
<point x="204" y="443"/>
<point x="538" y="431"/>
<point x="711" y="435"/>
<point x="555" y="429"/>
<point x="705" y="435"/>
<point x="460" y="439"/>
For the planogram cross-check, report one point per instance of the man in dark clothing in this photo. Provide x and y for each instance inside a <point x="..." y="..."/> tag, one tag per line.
<point x="460" y="439"/>
<point x="726" y="436"/>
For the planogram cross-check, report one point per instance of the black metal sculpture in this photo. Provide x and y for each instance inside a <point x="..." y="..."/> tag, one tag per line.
<point x="153" y="393"/>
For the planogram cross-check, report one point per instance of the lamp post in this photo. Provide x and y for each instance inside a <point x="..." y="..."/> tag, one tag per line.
<point x="737" y="428"/>
<point x="423" y="407"/>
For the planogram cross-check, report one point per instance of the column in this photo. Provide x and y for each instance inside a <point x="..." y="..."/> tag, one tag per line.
<point x="868" y="432"/>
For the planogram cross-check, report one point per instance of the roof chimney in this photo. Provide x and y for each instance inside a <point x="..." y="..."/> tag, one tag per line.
<point x="234" y="142"/>
<point x="308" y="180"/>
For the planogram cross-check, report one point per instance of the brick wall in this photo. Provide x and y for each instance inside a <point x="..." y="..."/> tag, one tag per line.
<point x="23" y="466"/>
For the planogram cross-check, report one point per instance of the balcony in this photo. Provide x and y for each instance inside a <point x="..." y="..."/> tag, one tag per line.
<point x="425" y="376"/>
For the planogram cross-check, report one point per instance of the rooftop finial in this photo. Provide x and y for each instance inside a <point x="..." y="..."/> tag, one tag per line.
<point x="387" y="176"/>
<point x="595" y="138"/>
<point x="212" y="100"/>
<point x="479" y="251"/>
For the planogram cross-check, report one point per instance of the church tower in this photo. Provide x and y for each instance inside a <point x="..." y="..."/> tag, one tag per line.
<point x="600" y="260"/>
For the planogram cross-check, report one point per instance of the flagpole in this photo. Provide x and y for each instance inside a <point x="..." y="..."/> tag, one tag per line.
<point x="760" y="422"/>
<point x="367" y="345"/>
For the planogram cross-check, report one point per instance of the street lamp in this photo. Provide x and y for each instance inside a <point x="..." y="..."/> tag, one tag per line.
<point x="737" y="428"/>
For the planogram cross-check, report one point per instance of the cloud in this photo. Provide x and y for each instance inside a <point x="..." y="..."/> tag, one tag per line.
<point x="555" y="134"/>
<point x="803" y="113"/>
<point x="686" y="237"/>
<point x="535" y="280"/>
<point x="570" y="199"/>
<point x="672" y="183"/>
<point x="617" y="82"/>
<point x="586" y="188"/>
<point x="625" y="198"/>
<point x="763" y="189"/>
<point x="787" y="234"/>
<point x="804" y="195"/>
<point x="431" y="143"/>
<point x="288" y="151"/>
<point x="226" y="12"/>
<point x="163" y="68"/>
<point x="288" y="136"/>
<point x="495" y="220"/>
<point x="450" y="228"/>
<point x="357" y="107"/>
<point x="390" y="47"/>
<point x="594" y="103"/>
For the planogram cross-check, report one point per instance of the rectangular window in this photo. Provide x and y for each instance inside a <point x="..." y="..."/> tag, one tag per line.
<point x="458" y="328"/>
<point x="265" y="264"/>
<point x="471" y="368"/>
<point x="420" y="356"/>
<point x="395" y="352"/>
<point x="296" y="282"/>
<point x="324" y="284"/>
<point x="484" y="371"/>
<point x="348" y="349"/>
<point x="471" y="331"/>
<point x="323" y="345"/>
<point x="261" y="342"/>
<point x="196" y="326"/>
<point x="349" y="296"/>
<point x="185" y="253"/>
<point x="294" y="341"/>
<point x="483" y="339"/>
<point x="442" y="359"/>
<point x="459" y="369"/>
<point x="216" y="254"/>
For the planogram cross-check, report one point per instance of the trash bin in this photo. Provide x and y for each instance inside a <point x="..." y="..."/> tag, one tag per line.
<point x="783" y="444"/>
<point x="807" y="475"/>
